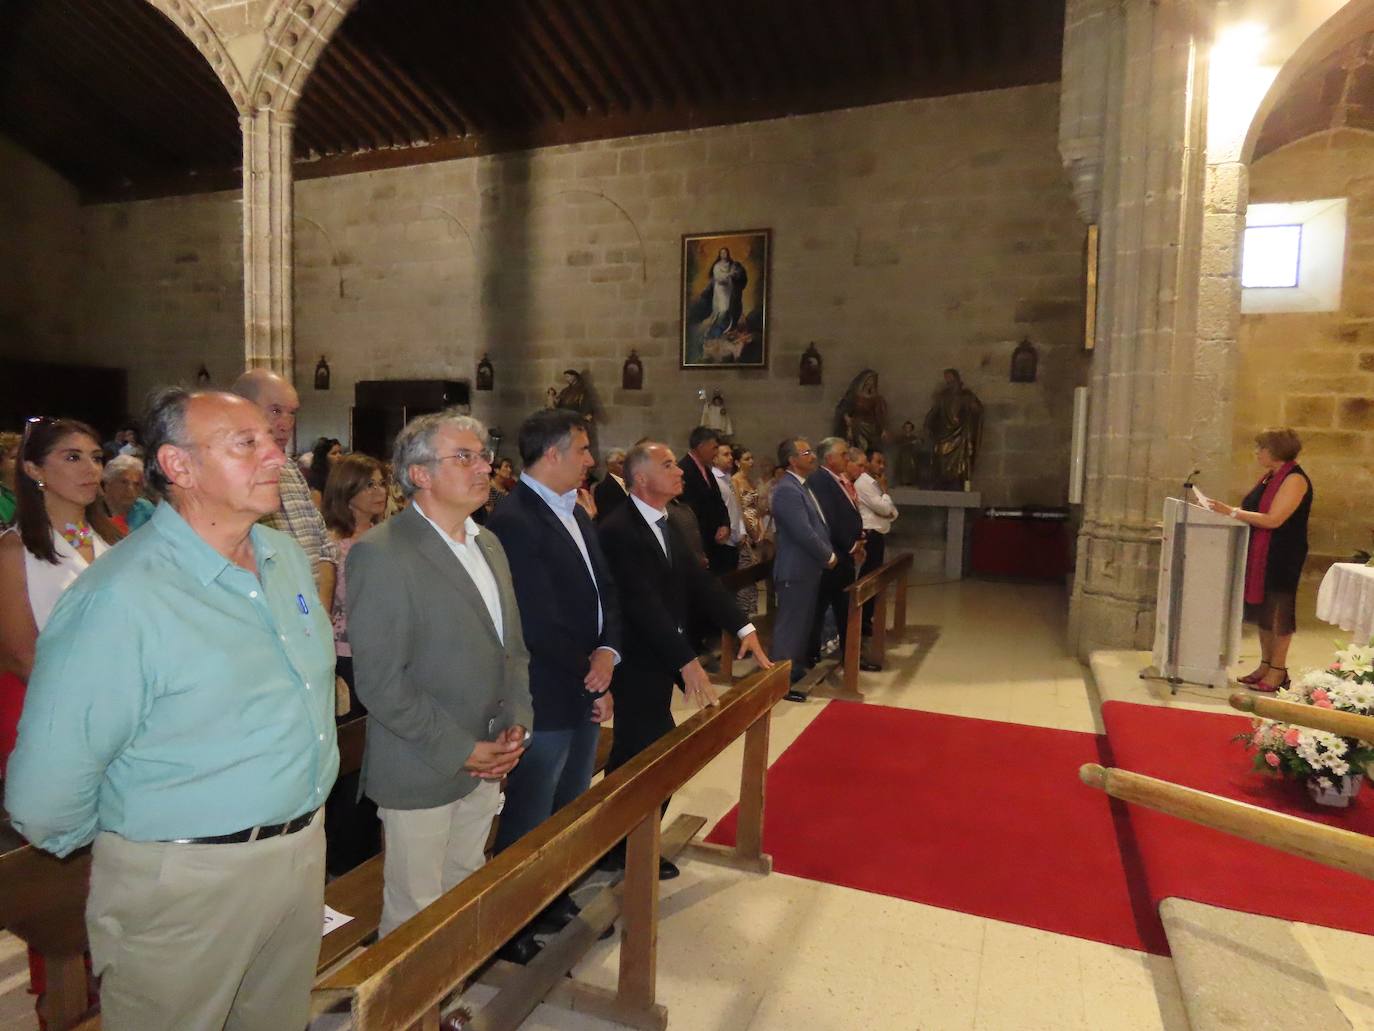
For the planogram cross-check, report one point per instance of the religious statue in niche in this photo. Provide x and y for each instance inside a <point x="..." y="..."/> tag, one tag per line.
<point x="632" y="375"/>
<point x="908" y="455"/>
<point x="322" y="374"/>
<point x="1024" y="362"/>
<point x="810" y="375"/>
<point x="861" y="415"/>
<point x="954" y="428"/>
<point x="486" y="375"/>
<point x="578" y="396"/>
<point x="714" y="415"/>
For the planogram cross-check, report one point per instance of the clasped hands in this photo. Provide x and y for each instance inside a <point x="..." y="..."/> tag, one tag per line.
<point x="492" y="760"/>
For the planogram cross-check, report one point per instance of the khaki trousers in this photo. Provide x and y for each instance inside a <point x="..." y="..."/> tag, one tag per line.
<point x="429" y="851"/>
<point x="207" y="937"/>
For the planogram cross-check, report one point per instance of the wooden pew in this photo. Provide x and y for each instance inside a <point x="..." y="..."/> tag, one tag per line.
<point x="357" y="894"/>
<point x="893" y="574"/>
<point x="1344" y="724"/>
<point x="736" y="580"/>
<point x="401" y="981"/>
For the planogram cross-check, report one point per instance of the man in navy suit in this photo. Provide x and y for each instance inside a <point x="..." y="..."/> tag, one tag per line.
<point x="839" y="503"/>
<point x="803" y="553"/>
<point x="661" y="586"/>
<point x="570" y="613"/>
<point x="703" y="497"/>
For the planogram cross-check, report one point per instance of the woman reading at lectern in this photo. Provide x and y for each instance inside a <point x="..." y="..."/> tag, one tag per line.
<point x="1276" y="511"/>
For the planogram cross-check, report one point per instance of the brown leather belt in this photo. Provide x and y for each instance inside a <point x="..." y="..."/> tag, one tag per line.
<point x="267" y="830"/>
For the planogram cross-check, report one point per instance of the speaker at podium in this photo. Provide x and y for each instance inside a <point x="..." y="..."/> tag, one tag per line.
<point x="1201" y="599"/>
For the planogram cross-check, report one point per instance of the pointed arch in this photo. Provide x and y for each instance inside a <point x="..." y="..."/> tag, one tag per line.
<point x="193" y="24"/>
<point x="297" y="33"/>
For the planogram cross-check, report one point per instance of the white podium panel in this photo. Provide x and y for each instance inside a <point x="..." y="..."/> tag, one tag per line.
<point x="1201" y="594"/>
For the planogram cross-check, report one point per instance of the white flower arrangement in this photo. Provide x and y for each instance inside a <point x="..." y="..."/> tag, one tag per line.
<point x="1285" y="749"/>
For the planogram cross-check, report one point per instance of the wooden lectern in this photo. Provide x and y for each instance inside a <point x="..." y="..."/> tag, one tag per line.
<point x="1201" y="594"/>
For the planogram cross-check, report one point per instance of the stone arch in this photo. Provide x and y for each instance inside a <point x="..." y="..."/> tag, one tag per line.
<point x="1355" y="19"/>
<point x="188" y="17"/>
<point x="297" y="33"/>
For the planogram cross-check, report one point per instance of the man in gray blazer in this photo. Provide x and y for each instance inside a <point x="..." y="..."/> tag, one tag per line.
<point x="803" y="554"/>
<point x="440" y="663"/>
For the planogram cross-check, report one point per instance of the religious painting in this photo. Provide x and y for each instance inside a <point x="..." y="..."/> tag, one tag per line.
<point x="725" y="300"/>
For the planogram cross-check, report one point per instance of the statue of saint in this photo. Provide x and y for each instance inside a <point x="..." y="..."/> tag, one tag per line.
<point x="954" y="427"/>
<point x="908" y="455"/>
<point x="578" y="396"/>
<point x="861" y="415"/>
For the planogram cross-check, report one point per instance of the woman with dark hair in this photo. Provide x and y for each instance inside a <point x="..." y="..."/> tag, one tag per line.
<point x="326" y="452"/>
<point x="1276" y="511"/>
<point x="60" y="529"/>
<point x="355" y="499"/>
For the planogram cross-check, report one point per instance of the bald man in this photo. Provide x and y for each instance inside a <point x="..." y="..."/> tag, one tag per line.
<point x="181" y="716"/>
<point x="297" y="514"/>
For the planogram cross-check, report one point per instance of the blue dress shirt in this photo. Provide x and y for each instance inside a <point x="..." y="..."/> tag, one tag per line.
<point x="176" y="695"/>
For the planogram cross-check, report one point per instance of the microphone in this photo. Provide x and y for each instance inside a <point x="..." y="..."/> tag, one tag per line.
<point x="1188" y="483"/>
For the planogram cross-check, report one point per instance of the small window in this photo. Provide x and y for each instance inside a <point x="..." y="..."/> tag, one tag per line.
<point x="1271" y="256"/>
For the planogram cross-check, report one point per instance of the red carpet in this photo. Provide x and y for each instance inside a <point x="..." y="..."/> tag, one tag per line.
<point x="973" y="815"/>
<point x="1183" y="860"/>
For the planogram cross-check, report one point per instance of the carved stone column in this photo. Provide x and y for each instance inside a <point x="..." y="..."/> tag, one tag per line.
<point x="1090" y="29"/>
<point x="267" y="260"/>
<point x="1149" y="421"/>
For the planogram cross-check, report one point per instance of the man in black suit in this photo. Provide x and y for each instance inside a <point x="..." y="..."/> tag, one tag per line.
<point x="840" y="506"/>
<point x="661" y="585"/>
<point x="703" y="497"/>
<point x="570" y="614"/>
<point x="611" y="492"/>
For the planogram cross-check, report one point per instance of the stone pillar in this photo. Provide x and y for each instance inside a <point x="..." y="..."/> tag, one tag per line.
<point x="1148" y="401"/>
<point x="267" y="260"/>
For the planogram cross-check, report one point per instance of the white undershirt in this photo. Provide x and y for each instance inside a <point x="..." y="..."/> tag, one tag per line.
<point x="470" y="555"/>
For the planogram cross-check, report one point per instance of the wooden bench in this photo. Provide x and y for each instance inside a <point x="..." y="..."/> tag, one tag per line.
<point x="737" y="580"/>
<point x="59" y="932"/>
<point x="402" y="980"/>
<point x="893" y="574"/>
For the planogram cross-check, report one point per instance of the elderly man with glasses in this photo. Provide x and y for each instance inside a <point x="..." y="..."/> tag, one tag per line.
<point x="439" y="660"/>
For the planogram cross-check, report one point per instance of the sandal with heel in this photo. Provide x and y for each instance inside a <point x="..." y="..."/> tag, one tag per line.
<point x="1256" y="677"/>
<point x="1272" y="688"/>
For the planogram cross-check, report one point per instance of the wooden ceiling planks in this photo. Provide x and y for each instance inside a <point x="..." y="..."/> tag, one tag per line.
<point x="111" y="94"/>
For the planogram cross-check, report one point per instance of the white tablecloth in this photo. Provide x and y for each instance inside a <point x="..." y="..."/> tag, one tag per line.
<point x="1346" y="599"/>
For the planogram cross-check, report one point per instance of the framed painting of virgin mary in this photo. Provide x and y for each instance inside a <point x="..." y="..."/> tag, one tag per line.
<point x="725" y="299"/>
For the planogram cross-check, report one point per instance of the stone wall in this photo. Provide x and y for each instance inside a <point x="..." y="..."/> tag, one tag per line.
<point x="1315" y="371"/>
<point x="40" y="224"/>
<point x="907" y="237"/>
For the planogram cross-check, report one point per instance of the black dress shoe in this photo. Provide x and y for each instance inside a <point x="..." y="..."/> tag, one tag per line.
<point x="667" y="870"/>
<point x="870" y="667"/>
<point x="519" y="950"/>
<point x="794" y="696"/>
<point x="557" y="916"/>
<point x="612" y="862"/>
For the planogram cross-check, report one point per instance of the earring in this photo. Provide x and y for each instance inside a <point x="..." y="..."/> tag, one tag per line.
<point x="41" y="485"/>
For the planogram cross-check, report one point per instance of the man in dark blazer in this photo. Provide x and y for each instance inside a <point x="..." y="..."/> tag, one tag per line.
<point x="440" y="662"/>
<point x="703" y="497"/>
<point x="661" y="585"/>
<point x="840" y="506"/>
<point x="802" y="555"/>
<point x="611" y="492"/>
<point x="570" y="613"/>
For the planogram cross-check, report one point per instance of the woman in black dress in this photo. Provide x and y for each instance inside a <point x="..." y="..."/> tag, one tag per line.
<point x="1276" y="511"/>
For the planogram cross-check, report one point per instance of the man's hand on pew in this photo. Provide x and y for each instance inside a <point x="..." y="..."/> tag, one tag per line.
<point x="751" y="645"/>
<point x="492" y="760"/>
<point x="696" y="685"/>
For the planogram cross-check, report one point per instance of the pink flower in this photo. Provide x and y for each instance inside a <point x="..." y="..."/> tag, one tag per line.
<point x="1323" y="703"/>
<point x="1292" y="738"/>
<point x="1271" y="759"/>
<point x="1319" y="695"/>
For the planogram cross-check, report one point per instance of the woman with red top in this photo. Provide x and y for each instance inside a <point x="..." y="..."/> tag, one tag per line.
<point x="1276" y="511"/>
<point x="60" y="529"/>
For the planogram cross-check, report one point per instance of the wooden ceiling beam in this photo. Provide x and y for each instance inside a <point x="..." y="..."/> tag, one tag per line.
<point x="644" y="36"/>
<point x="589" y="98"/>
<point x="536" y="66"/>
<point x="940" y="32"/>
<point x="623" y="54"/>
<point x="416" y="56"/>
<point x="626" y="76"/>
<point x="453" y="120"/>
<point x="770" y="35"/>
<point x="355" y="65"/>
<point x="323" y="107"/>
<point x="554" y="19"/>
<point x="466" y="24"/>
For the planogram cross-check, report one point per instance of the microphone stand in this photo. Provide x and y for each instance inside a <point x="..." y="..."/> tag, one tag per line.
<point x="1170" y="671"/>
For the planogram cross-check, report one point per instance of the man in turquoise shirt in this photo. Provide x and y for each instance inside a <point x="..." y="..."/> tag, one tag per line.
<point x="181" y="715"/>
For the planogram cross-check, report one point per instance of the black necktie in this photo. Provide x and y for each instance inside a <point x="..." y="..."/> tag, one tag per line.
<point x="663" y="529"/>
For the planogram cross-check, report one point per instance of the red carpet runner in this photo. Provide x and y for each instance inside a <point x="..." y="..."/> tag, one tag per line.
<point x="1184" y="860"/>
<point x="974" y="815"/>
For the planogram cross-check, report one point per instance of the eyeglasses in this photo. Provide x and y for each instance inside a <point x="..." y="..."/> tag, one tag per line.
<point x="375" y="485"/>
<point x="467" y="458"/>
<point x="803" y="454"/>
